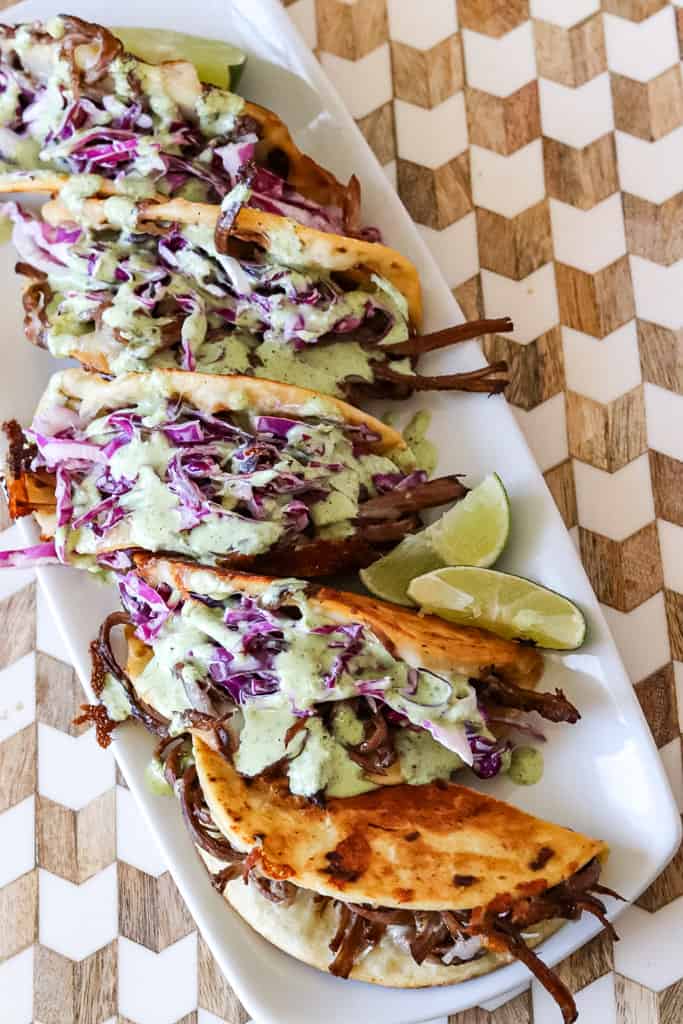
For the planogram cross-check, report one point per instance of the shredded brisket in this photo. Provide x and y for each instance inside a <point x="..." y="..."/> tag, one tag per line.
<point x="97" y="715"/>
<point x="431" y="933"/>
<point x="199" y="823"/>
<point x="376" y="752"/>
<point x="275" y="890"/>
<point x="508" y="936"/>
<point x="553" y="706"/>
<point x="27" y="270"/>
<point x="389" y="531"/>
<point x="354" y="936"/>
<point x="104" y="663"/>
<point x="419" y="344"/>
<point x="399" y="503"/>
<point x="20" y="450"/>
<point x="78" y="33"/>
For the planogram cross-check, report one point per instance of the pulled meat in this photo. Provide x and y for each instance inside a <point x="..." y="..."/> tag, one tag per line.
<point x="355" y="935"/>
<point x="552" y="706"/>
<point x="86" y="33"/>
<point x="508" y="936"/>
<point x="228" y="213"/>
<point x="20" y="450"/>
<point x="96" y="714"/>
<point x="275" y="890"/>
<point x="200" y="824"/>
<point x="419" y="344"/>
<point x="430" y="934"/>
<point x="485" y="380"/>
<point x="206" y="834"/>
<point x="389" y="531"/>
<point x="399" y="503"/>
<point x="104" y="663"/>
<point x="376" y="752"/>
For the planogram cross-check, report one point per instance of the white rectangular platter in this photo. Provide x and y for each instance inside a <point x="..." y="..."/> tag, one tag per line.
<point x="603" y="776"/>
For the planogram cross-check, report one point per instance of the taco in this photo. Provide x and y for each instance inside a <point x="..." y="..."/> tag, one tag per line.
<point x="405" y="886"/>
<point x="74" y="100"/>
<point x="223" y="470"/>
<point x="337" y="692"/>
<point x="125" y="287"/>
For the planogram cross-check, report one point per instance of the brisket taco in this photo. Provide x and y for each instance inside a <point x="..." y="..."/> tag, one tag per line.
<point x="222" y="470"/>
<point x="337" y="692"/>
<point x="124" y="286"/>
<point x="75" y="101"/>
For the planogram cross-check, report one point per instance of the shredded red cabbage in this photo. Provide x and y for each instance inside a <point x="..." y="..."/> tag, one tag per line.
<point x="279" y="426"/>
<point x="29" y="558"/>
<point x="192" y="504"/>
<point x="145" y="606"/>
<point x="349" y="644"/>
<point x="486" y="753"/>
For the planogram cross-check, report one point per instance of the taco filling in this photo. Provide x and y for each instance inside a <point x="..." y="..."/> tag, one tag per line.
<point x="217" y="469"/>
<point x="133" y="296"/>
<point x="73" y="100"/>
<point x="339" y="694"/>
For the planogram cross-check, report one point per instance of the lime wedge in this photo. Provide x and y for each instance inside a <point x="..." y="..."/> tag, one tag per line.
<point x="390" y="576"/>
<point x="217" y="62"/>
<point x="475" y="531"/>
<point x="510" y="606"/>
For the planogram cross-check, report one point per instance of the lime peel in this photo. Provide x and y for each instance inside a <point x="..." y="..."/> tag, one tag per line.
<point x="511" y="606"/>
<point x="217" y="62"/>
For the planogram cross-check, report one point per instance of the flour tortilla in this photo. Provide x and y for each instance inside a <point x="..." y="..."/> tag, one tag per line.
<point x="34" y="492"/>
<point x="364" y="849"/>
<point x="424" y="641"/>
<point x="304" y="929"/>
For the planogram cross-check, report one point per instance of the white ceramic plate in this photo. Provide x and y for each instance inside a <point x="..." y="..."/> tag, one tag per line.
<point x="603" y="776"/>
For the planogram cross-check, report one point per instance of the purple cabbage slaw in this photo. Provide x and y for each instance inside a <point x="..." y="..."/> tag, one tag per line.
<point x="161" y="280"/>
<point x="248" y="671"/>
<point x="266" y="472"/>
<point x="116" y="135"/>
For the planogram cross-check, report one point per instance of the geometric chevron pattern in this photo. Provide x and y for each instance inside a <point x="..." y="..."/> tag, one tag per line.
<point x="538" y="145"/>
<point x="94" y="929"/>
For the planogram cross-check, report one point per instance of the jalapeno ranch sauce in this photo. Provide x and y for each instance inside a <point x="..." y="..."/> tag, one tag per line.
<point x="306" y="677"/>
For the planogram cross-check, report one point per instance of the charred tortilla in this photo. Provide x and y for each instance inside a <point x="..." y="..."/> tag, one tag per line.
<point x="357" y="847"/>
<point x="417" y="638"/>
<point x="346" y="887"/>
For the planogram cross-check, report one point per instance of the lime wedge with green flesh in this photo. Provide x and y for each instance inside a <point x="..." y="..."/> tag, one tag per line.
<point x="390" y="576"/>
<point x="511" y="606"/>
<point x="217" y="62"/>
<point x="473" y="532"/>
